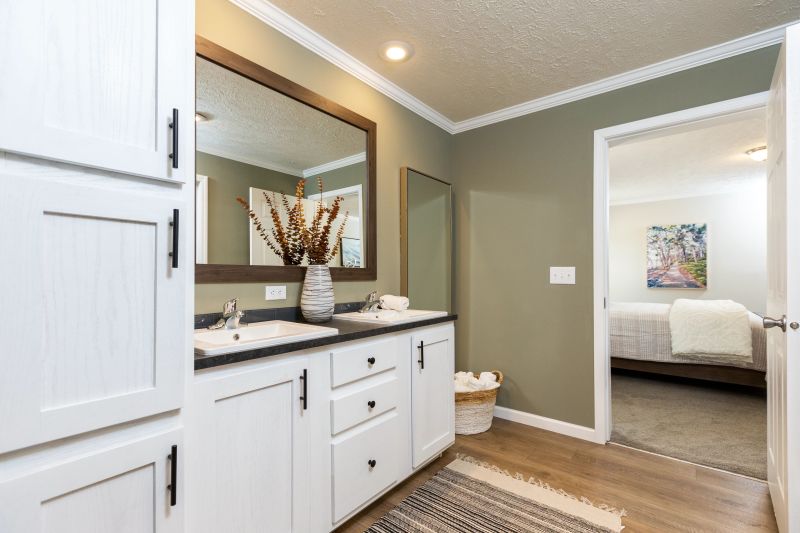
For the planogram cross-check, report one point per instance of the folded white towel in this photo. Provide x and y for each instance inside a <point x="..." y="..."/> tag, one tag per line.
<point x="397" y="303"/>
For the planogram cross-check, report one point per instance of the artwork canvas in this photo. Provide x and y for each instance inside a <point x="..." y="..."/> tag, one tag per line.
<point x="351" y="252"/>
<point x="676" y="256"/>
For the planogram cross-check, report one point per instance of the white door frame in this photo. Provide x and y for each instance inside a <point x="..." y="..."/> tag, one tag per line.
<point x="602" y="140"/>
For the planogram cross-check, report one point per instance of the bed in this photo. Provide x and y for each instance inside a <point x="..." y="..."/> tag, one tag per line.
<point x="640" y="340"/>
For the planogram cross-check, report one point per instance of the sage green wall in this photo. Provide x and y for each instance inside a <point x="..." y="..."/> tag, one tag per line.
<point x="523" y="203"/>
<point x="228" y="224"/>
<point x="404" y="139"/>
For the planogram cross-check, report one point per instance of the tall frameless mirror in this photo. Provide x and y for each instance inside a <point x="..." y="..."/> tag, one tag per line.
<point x="254" y="142"/>
<point x="426" y="240"/>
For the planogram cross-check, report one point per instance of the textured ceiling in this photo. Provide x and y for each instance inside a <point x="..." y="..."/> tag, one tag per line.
<point x="256" y="125"/>
<point x="697" y="159"/>
<point x="478" y="56"/>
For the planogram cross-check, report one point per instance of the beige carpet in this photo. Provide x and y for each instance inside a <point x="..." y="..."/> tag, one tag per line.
<point x="715" y="426"/>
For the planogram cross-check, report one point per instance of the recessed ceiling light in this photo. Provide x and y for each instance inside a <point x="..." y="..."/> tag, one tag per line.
<point x="758" y="154"/>
<point x="396" y="51"/>
<point x="199" y="117"/>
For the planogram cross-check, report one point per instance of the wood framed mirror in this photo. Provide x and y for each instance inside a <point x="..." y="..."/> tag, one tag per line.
<point x="259" y="133"/>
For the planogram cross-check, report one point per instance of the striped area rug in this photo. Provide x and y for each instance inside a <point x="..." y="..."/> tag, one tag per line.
<point x="468" y="496"/>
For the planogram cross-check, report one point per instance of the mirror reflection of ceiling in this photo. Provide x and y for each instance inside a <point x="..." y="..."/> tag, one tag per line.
<point x="697" y="159"/>
<point x="474" y="57"/>
<point x="253" y="124"/>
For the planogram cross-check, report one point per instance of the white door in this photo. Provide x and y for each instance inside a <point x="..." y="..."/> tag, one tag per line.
<point x="121" y="489"/>
<point x="432" y="394"/>
<point x="783" y="301"/>
<point x="94" y="327"/>
<point x="94" y="82"/>
<point x="252" y="451"/>
<point x="260" y="252"/>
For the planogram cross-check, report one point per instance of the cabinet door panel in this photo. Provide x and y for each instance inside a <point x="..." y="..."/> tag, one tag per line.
<point x="253" y="447"/>
<point x="122" y="489"/>
<point x="94" y="82"/>
<point x="99" y="336"/>
<point x="432" y="396"/>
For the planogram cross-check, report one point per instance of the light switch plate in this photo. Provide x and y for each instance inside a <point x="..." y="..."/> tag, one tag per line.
<point x="275" y="292"/>
<point x="562" y="275"/>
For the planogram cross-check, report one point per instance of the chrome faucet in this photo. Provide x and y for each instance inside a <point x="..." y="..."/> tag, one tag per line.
<point x="230" y="316"/>
<point x="371" y="303"/>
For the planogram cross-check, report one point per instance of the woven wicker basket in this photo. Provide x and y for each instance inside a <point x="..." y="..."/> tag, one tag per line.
<point x="475" y="409"/>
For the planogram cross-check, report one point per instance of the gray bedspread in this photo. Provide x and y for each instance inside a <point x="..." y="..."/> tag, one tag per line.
<point x="641" y="331"/>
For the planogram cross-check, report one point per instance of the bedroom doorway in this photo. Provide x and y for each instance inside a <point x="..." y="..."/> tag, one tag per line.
<point x="685" y="242"/>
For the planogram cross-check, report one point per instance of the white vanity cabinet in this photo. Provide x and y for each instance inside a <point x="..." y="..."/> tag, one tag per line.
<point x="95" y="83"/>
<point x="249" y="457"/>
<point x="432" y="393"/>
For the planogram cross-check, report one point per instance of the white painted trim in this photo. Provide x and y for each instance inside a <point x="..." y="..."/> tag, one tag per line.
<point x="256" y="163"/>
<point x="201" y="219"/>
<point x="302" y="34"/>
<point x="548" y="424"/>
<point x="333" y="165"/>
<point x="305" y="36"/>
<point x="602" y="138"/>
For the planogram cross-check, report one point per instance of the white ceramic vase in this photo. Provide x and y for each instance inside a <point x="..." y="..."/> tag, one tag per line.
<point x="316" y="302"/>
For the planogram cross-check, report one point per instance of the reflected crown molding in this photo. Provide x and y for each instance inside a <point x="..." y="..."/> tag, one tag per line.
<point x="305" y="36"/>
<point x="333" y="165"/>
<point x="269" y="165"/>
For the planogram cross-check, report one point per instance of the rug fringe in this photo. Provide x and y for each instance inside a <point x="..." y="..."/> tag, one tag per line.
<point x="541" y="484"/>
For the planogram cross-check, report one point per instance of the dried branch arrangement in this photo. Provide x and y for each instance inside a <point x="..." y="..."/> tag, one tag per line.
<point x="296" y="239"/>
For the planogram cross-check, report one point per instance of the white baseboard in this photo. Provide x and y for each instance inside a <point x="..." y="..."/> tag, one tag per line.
<point x="548" y="424"/>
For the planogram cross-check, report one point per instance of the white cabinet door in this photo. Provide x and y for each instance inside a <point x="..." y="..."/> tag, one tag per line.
<point x="95" y="82"/>
<point x="252" y="451"/>
<point x="94" y="328"/>
<point x="122" y="489"/>
<point x="432" y="394"/>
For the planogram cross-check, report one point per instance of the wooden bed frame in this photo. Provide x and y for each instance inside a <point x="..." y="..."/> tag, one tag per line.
<point x="721" y="374"/>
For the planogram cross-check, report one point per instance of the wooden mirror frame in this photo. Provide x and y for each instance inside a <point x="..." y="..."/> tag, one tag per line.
<point x="205" y="273"/>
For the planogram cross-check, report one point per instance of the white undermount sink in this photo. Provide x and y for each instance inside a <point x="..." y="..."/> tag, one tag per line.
<point x="256" y="335"/>
<point x="389" y="317"/>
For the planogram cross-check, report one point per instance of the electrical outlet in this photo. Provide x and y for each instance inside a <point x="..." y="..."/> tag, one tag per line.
<point x="562" y="275"/>
<point x="275" y="292"/>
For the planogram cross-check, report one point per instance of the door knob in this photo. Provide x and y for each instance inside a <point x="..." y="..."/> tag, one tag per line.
<point x="774" y="322"/>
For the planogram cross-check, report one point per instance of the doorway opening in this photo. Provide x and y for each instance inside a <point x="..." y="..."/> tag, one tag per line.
<point x="681" y="285"/>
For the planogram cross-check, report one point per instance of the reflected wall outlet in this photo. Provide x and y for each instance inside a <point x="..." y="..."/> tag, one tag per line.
<point x="562" y="275"/>
<point x="275" y="292"/>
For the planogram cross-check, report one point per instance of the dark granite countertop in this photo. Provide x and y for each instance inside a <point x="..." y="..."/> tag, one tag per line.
<point x="349" y="330"/>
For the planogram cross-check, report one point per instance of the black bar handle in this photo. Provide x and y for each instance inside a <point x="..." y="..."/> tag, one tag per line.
<point x="304" y="397"/>
<point x="175" y="235"/>
<point x="421" y="359"/>
<point x="174" y="127"/>
<point x="173" y="468"/>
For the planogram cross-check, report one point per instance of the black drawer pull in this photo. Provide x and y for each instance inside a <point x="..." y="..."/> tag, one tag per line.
<point x="372" y="463"/>
<point x="174" y="127"/>
<point x="304" y="397"/>
<point x="371" y="361"/>
<point x="175" y="236"/>
<point x="173" y="470"/>
<point x="371" y="404"/>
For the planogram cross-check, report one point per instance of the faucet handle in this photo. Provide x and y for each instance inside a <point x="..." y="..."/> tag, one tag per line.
<point x="372" y="297"/>
<point x="230" y="307"/>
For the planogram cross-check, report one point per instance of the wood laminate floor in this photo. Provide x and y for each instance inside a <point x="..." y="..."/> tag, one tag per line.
<point x="659" y="494"/>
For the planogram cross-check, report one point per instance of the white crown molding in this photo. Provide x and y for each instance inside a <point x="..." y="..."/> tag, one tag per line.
<point x="302" y="34"/>
<point x="333" y="165"/>
<point x="732" y="48"/>
<point x="269" y="165"/>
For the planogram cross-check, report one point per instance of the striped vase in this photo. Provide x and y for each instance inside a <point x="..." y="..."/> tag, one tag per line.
<point x="316" y="302"/>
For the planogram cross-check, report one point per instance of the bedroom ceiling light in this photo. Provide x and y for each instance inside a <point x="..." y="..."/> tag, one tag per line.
<point x="396" y="51"/>
<point x="199" y="117"/>
<point x="758" y="154"/>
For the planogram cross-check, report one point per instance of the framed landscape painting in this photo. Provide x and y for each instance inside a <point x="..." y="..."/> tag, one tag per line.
<point x="676" y="256"/>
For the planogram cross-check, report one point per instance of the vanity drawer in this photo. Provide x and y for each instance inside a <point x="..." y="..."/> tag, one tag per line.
<point x="361" y="361"/>
<point x="353" y="409"/>
<point x="355" y="481"/>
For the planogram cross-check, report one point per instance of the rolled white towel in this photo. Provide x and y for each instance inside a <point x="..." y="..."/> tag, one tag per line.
<point x="397" y="303"/>
<point x="487" y="377"/>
